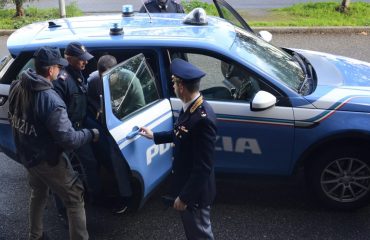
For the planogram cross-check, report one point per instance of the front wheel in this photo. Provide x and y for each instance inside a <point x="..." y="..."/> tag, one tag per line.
<point x="340" y="177"/>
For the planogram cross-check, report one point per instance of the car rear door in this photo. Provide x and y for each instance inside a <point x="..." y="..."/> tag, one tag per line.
<point x="131" y="100"/>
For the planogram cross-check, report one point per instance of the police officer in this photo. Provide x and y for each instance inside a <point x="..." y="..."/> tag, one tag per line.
<point x="43" y="134"/>
<point x="71" y="85"/>
<point x="166" y="6"/>
<point x="194" y="136"/>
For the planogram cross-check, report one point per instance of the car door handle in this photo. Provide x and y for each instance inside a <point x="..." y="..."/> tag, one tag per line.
<point x="3" y="100"/>
<point x="133" y="133"/>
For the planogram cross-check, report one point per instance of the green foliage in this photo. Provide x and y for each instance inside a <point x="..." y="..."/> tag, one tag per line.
<point x="190" y="5"/>
<point x="32" y="14"/>
<point x="321" y="14"/>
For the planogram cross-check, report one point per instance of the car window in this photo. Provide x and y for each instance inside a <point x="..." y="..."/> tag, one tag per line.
<point x="12" y="68"/>
<point x="225" y="81"/>
<point x="227" y="12"/>
<point x="4" y="61"/>
<point x="132" y="86"/>
<point x="29" y="64"/>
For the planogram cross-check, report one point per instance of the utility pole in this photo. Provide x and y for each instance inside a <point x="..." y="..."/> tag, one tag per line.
<point x="62" y="8"/>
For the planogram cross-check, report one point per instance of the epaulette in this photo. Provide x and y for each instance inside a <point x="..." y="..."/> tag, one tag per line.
<point x="196" y="104"/>
<point x="63" y="75"/>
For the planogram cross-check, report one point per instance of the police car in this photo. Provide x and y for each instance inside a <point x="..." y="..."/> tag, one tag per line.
<point x="279" y="110"/>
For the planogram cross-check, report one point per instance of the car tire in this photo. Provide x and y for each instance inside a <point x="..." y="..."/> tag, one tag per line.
<point x="340" y="177"/>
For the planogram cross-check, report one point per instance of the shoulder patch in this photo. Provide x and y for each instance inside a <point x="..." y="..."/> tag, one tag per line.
<point x="63" y="75"/>
<point x="196" y="104"/>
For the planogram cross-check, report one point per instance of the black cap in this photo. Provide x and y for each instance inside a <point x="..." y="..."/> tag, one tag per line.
<point x="78" y="50"/>
<point x="186" y="71"/>
<point x="49" y="56"/>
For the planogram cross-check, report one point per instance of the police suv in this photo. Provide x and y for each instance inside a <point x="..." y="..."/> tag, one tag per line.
<point x="278" y="110"/>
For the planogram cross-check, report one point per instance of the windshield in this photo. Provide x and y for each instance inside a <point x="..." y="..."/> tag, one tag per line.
<point x="269" y="59"/>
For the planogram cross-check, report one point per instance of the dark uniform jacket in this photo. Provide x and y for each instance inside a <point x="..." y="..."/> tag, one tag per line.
<point x="170" y="7"/>
<point x="194" y="136"/>
<point x="72" y="88"/>
<point x="39" y="120"/>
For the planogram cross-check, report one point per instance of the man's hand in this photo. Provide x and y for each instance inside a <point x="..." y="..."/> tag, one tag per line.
<point x="179" y="205"/>
<point x="95" y="133"/>
<point x="146" y="132"/>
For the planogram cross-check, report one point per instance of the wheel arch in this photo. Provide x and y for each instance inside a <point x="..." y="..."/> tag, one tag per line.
<point x="348" y="138"/>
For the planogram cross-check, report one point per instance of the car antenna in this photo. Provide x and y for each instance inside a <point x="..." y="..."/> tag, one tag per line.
<point x="147" y="11"/>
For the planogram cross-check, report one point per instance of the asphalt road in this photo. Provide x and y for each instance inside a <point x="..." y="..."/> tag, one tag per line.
<point x="244" y="208"/>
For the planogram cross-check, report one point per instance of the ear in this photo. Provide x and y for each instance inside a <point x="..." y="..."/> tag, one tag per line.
<point x="50" y="71"/>
<point x="181" y="87"/>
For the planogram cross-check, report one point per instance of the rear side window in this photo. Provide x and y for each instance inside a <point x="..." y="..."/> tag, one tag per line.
<point x="132" y="86"/>
<point x="30" y="64"/>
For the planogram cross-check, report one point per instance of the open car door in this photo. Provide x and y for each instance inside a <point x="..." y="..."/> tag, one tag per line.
<point x="131" y="100"/>
<point x="227" y="12"/>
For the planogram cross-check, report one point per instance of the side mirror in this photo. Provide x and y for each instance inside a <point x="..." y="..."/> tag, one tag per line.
<point x="262" y="101"/>
<point x="265" y="35"/>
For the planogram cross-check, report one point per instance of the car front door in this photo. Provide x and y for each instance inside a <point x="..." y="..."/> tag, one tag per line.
<point x="132" y="100"/>
<point x="248" y="141"/>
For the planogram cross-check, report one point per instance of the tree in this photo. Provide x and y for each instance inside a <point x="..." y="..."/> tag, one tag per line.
<point x="19" y="11"/>
<point x="344" y="6"/>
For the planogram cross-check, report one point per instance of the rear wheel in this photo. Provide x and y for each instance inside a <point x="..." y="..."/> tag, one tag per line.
<point x="340" y="177"/>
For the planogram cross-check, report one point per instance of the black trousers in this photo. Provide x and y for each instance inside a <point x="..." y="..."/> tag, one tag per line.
<point x="197" y="223"/>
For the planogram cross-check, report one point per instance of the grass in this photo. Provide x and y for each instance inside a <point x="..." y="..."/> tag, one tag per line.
<point x="8" y="21"/>
<point x="319" y="14"/>
<point x="303" y="14"/>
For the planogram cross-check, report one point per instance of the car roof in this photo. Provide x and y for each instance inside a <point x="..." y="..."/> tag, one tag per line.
<point x="138" y="30"/>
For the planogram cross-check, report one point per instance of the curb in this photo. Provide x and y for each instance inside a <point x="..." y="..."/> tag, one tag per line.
<point x="285" y="30"/>
<point x="6" y="32"/>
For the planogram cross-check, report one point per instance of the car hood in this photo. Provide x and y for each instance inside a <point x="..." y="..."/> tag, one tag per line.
<point x="341" y="82"/>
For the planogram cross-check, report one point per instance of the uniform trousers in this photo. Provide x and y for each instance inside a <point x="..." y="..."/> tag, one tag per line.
<point x="63" y="181"/>
<point x="90" y="165"/>
<point x="197" y="223"/>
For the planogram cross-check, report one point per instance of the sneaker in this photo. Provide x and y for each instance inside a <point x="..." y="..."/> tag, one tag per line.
<point x="120" y="208"/>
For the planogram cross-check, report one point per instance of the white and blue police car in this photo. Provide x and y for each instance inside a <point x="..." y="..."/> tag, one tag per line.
<point x="278" y="110"/>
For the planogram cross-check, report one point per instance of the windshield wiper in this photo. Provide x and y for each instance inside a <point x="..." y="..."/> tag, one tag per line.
<point x="307" y="72"/>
